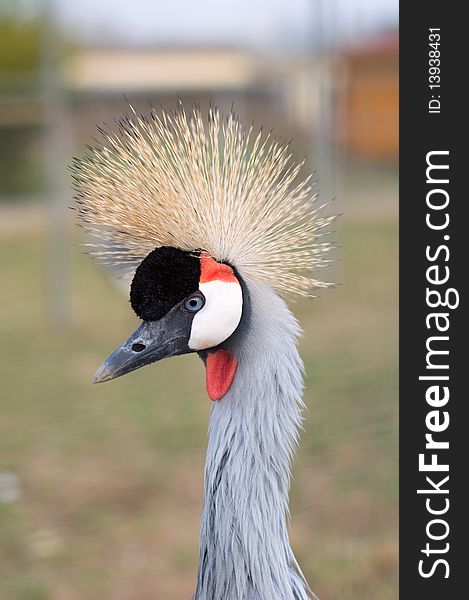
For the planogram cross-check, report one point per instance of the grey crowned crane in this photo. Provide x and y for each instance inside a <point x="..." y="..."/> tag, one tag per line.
<point x="215" y="224"/>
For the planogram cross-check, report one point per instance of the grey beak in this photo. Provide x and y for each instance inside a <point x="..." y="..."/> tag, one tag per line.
<point x="150" y="342"/>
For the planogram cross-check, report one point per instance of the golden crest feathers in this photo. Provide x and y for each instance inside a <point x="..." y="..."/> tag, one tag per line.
<point x="173" y="180"/>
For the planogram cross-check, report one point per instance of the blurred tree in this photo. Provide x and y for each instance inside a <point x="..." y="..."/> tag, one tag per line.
<point x="19" y="45"/>
<point x="20" y="40"/>
<point x="20" y="50"/>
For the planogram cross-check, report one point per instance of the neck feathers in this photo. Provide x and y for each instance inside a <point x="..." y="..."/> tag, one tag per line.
<point x="245" y="552"/>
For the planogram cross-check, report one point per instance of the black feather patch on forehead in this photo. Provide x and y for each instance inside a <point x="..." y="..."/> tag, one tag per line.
<point x="163" y="278"/>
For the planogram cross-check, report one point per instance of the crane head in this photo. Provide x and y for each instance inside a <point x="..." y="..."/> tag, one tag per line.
<point x="188" y="302"/>
<point x="206" y="208"/>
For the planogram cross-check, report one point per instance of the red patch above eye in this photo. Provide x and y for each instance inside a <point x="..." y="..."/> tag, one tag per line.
<point x="211" y="270"/>
<point x="220" y="371"/>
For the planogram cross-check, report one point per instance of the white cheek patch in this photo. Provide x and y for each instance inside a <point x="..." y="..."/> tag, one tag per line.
<point x="220" y="316"/>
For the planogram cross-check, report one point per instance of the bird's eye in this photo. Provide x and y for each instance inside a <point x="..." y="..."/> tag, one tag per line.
<point x="194" y="303"/>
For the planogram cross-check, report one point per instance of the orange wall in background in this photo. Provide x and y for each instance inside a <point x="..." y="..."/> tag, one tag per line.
<point x="368" y="126"/>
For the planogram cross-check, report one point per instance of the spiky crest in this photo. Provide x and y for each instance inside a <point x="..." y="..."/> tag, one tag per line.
<point x="173" y="180"/>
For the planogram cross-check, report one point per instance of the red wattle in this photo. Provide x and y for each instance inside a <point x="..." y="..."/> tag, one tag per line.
<point x="220" y="371"/>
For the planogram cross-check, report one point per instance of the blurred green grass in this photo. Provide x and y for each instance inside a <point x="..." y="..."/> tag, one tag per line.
<point x="111" y="475"/>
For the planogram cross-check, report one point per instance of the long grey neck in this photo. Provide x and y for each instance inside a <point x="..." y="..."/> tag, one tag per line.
<point x="244" y="551"/>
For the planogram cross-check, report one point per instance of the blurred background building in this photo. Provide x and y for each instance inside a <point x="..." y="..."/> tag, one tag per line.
<point x="287" y="85"/>
<point x="100" y="490"/>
